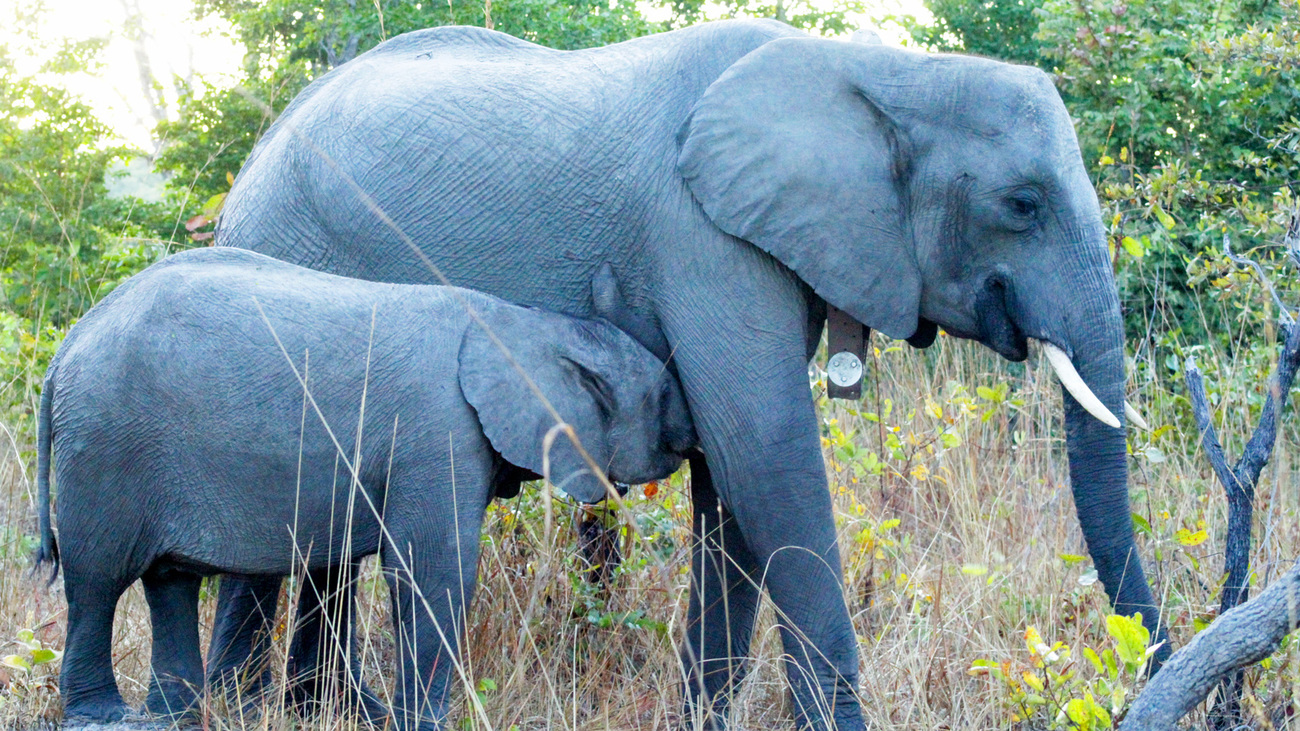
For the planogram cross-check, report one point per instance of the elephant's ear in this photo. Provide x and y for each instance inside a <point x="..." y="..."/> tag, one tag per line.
<point x="548" y="348"/>
<point x="789" y="149"/>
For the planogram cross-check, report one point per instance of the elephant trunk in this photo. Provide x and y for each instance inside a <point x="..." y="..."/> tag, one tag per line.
<point x="1097" y="453"/>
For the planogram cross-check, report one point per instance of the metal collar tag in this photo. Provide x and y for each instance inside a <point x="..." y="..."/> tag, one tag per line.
<point x="846" y="341"/>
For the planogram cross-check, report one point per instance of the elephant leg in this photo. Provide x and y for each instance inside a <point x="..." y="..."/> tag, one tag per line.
<point x="792" y="536"/>
<point x="322" y="656"/>
<point x="742" y="360"/>
<point x="430" y="589"/>
<point x="86" y="682"/>
<point x="794" y="541"/>
<point x="176" y="664"/>
<point x="238" y="657"/>
<point x="724" y="600"/>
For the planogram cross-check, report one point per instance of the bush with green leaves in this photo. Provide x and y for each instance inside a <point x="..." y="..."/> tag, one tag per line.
<point x="30" y="666"/>
<point x="1051" y="687"/>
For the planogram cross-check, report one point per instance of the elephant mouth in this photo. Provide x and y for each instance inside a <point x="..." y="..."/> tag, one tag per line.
<point x="995" y="305"/>
<point x="995" y="314"/>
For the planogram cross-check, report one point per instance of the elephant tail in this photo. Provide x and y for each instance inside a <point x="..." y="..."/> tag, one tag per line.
<point x="48" y="550"/>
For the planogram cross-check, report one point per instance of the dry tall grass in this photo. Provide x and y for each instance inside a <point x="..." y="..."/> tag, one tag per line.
<point x="950" y="554"/>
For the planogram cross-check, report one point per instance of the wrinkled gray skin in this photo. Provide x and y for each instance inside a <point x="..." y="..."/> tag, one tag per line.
<point x="737" y="176"/>
<point x="186" y="447"/>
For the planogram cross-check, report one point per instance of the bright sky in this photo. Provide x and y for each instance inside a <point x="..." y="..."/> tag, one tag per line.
<point x="176" y="45"/>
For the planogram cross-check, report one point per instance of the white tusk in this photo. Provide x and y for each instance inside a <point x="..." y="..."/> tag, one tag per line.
<point x="1134" y="417"/>
<point x="1073" y="383"/>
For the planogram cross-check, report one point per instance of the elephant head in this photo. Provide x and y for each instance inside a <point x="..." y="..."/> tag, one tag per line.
<point x="917" y="191"/>
<point x="626" y="409"/>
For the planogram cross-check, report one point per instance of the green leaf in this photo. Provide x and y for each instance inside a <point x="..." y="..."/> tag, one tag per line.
<point x="1091" y="654"/>
<point x="1165" y="219"/>
<point x="44" y="655"/>
<point x="1112" y="667"/>
<point x="1133" y="247"/>
<point x="1131" y="639"/>
<point x="14" y="661"/>
<point x="974" y="569"/>
<point x="1071" y="559"/>
<point x="1080" y="714"/>
<point x="1141" y="525"/>
<point x="213" y="205"/>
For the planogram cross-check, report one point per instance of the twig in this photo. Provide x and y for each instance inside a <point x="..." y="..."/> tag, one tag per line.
<point x="1284" y="315"/>
<point x="1292" y="239"/>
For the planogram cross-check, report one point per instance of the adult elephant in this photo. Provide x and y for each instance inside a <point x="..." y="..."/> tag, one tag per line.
<point x="737" y="176"/>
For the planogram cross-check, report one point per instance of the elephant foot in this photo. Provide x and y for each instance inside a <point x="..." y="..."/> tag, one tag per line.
<point x="693" y="719"/>
<point x="126" y="725"/>
<point x="113" y="717"/>
<point x="352" y="699"/>
<point x="171" y="708"/>
<point x="404" y="722"/>
<point x="171" y="700"/>
<point x="369" y="707"/>
<point x="86" y="713"/>
<point x="240" y="688"/>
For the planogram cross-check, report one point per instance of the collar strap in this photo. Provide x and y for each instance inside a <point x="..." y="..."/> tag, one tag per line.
<point x="846" y="343"/>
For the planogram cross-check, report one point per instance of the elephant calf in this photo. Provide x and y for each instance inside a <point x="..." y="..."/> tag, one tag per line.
<point x="225" y="412"/>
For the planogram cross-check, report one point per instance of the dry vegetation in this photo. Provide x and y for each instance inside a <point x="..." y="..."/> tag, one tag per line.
<point x="951" y="489"/>
<point x="950" y="554"/>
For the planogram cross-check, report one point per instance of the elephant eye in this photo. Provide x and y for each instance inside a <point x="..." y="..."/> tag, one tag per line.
<point x="1022" y="206"/>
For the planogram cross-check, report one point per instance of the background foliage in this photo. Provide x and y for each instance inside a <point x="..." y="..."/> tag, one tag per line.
<point x="1188" y="113"/>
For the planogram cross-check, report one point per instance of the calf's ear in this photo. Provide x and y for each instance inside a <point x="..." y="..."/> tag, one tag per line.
<point x="550" y="349"/>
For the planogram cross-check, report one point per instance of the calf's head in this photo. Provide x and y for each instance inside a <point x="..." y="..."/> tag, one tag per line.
<point x="625" y="407"/>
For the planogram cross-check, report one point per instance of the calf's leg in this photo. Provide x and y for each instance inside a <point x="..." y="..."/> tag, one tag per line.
<point x="322" y="656"/>
<point x="238" y="657"/>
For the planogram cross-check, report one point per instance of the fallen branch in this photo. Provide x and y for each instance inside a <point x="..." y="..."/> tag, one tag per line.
<point x="1244" y="636"/>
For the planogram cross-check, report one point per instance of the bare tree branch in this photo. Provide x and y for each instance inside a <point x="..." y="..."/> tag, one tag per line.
<point x="1284" y="315"/>
<point x="1239" y="480"/>
<point x="1239" y="483"/>
<point x="135" y="31"/>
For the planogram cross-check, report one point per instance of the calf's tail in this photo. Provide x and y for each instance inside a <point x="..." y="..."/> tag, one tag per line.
<point x="48" y="550"/>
